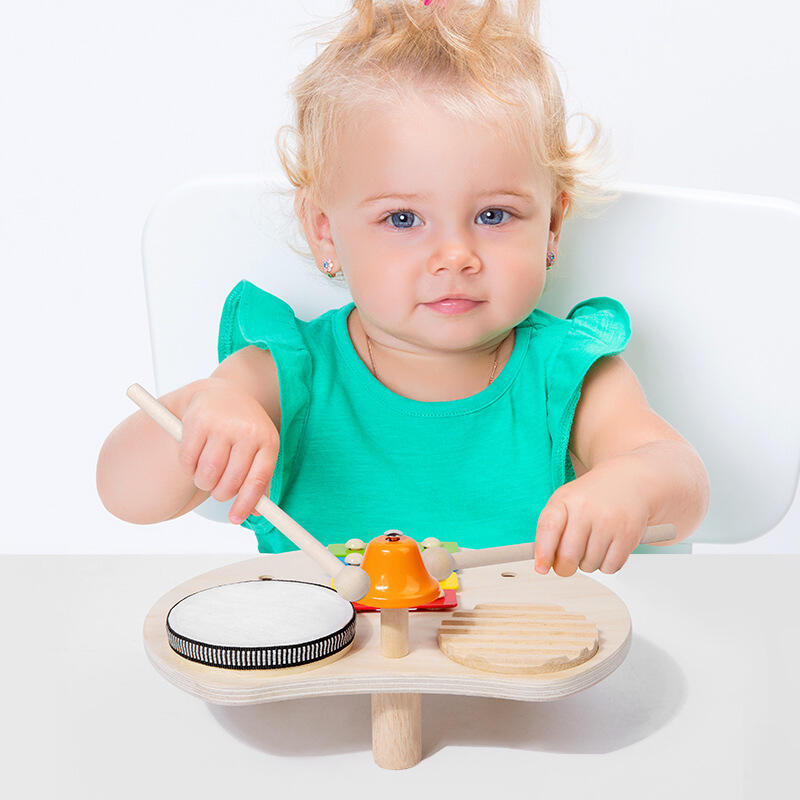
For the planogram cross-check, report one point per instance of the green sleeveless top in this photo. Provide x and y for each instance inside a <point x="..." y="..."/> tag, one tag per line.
<point x="356" y="459"/>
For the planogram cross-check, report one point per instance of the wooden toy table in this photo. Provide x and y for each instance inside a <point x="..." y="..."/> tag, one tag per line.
<point x="425" y="670"/>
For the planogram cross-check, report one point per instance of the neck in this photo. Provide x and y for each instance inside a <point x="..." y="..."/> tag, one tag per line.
<point x="431" y="378"/>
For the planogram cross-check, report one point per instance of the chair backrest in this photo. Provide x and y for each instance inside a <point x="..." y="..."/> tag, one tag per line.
<point x="709" y="280"/>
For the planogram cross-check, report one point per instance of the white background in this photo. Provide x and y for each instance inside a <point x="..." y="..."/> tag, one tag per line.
<point x="106" y="106"/>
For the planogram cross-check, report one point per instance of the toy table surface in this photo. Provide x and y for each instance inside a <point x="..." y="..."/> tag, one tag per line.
<point x="705" y="704"/>
<point x="425" y="669"/>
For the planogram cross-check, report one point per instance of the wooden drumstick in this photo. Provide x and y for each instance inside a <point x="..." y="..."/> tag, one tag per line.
<point x="351" y="582"/>
<point x="440" y="563"/>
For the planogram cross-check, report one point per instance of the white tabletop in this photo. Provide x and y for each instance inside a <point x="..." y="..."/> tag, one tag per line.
<point x="705" y="704"/>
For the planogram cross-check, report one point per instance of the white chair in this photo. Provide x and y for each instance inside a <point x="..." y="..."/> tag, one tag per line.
<point x="710" y="281"/>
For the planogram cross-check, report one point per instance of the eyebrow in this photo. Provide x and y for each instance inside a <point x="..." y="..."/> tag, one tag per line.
<point x="413" y="196"/>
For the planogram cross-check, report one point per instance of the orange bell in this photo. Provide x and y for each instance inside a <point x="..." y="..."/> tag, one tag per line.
<point x="398" y="576"/>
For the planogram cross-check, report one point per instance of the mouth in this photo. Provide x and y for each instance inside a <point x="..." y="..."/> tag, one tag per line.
<point x="453" y="305"/>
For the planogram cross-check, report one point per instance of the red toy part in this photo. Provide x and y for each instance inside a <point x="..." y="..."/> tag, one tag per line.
<point x="448" y="601"/>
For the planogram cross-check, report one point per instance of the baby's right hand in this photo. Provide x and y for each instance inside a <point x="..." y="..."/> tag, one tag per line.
<point x="229" y="445"/>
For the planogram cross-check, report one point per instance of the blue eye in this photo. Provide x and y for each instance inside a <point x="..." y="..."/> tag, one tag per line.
<point x="405" y="219"/>
<point x="497" y="217"/>
<point x="404" y="216"/>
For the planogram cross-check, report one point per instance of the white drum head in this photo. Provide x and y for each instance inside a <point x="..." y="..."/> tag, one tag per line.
<point x="261" y="624"/>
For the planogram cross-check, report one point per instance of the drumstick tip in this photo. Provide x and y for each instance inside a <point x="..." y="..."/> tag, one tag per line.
<point x="352" y="583"/>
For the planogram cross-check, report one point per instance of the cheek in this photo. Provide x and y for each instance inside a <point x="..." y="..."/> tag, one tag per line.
<point x="517" y="294"/>
<point x="368" y="251"/>
<point x="381" y="289"/>
<point x="521" y="279"/>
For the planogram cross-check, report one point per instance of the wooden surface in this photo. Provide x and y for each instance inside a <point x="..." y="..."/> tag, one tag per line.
<point x="518" y="638"/>
<point x="425" y="669"/>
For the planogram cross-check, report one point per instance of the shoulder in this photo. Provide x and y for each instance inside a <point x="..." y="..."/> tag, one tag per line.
<point x="266" y="346"/>
<point x="251" y="315"/>
<point x="602" y="318"/>
<point x="573" y="351"/>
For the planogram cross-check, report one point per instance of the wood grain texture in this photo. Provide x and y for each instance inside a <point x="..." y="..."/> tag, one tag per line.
<point x="518" y="638"/>
<point x="425" y="669"/>
<point x="397" y="730"/>
<point x="394" y="632"/>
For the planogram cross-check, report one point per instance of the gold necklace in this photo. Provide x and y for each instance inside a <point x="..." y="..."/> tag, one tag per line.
<point x="491" y="374"/>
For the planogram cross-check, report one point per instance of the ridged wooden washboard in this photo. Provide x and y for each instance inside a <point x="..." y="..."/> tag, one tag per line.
<point x="518" y="638"/>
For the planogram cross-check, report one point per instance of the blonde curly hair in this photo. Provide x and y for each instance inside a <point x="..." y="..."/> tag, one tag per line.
<point x="477" y="60"/>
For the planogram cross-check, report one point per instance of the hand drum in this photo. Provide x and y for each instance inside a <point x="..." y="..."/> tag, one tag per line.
<point x="262" y="624"/>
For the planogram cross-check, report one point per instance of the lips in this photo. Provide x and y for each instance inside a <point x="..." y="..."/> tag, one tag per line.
<point x="453" y="297"/>
<point x="454" y="305"/>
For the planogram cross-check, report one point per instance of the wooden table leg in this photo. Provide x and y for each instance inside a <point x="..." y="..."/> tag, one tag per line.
<point x="396" y="730"/>
<point x="396" y="717"/>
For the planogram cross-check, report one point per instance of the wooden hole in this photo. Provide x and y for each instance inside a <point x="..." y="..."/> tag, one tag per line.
<point x="508" y="574"/>
<point x="265" y="577"/>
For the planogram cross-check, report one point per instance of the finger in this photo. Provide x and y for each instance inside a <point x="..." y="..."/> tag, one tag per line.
<point x="572" y="547"/>
<point x="239" y="461"/>
<point x="255" y="485"/>
<point x="211" y="463"/>
<point x="549" y="528"/>
<point x="616" y="556"/>
<point x="596" y="549"/>
<point x="189" y="450"/>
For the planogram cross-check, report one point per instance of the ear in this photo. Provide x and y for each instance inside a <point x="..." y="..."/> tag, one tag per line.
<point x="316" y="226"/>
<point x="557" y="213"/>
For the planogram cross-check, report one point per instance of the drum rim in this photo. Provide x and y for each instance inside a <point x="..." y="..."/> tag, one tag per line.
<point x="263" y="648"/>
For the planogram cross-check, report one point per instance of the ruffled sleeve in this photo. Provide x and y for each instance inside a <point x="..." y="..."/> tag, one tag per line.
<point x="599" y="326"/>
<point x="252" y="316"/>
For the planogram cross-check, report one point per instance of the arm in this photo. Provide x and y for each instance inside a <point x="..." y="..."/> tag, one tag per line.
<point x="139" y="476"/>
<point x="640" y="471"/>
<point x="613" y="419"/>
<point x="674" y="483"/>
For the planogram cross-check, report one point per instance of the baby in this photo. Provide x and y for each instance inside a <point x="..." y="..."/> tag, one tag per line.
<point x="433" y="171"/>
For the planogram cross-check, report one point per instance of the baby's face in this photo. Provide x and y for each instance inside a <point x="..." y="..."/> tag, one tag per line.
<point x="462" y="233"/>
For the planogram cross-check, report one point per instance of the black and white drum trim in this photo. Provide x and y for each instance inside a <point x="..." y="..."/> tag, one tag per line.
<point x="271" y="657"/>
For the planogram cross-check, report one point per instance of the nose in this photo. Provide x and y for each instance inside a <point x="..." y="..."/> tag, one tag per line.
<point x="458" y="261"/>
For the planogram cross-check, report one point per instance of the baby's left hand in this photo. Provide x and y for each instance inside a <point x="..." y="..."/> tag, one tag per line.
<point x="593" y="522"/>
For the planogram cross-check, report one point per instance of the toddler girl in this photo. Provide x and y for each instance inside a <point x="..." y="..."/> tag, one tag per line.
<point x="433" y="172"/>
